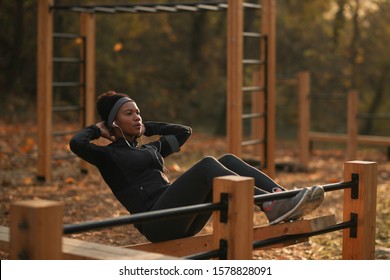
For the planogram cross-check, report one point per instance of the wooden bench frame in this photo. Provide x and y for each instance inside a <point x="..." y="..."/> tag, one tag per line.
<point x="36" y="226"/>
<point x="351" y="138"/>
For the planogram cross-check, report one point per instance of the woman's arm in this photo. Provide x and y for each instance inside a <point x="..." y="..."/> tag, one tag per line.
<point x="81" y="145"/>
<point x="173" y="135"/>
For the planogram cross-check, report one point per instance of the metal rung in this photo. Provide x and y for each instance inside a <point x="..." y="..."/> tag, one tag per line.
<point x="67" y="84"/>
<point x="67" y="35"/>
<point x="166" y="8"/>
<point x="252" y="142"/>
<point x="146" y="9"/>
<point x="252" y="34"/>
<point x="252" y="5"/>
<point x="187" y="8"/>
<point x="208" y="7"/>
<point x="253" y="115"/>
<point x="104" y="9"/>
<point x="247" y="89"/>
<point x="126" y="10"/>
<point x="66" y="108"/>
<point x="68" y="59"/>
<point x="252" y="61"/>
<point x="63" y="133"/>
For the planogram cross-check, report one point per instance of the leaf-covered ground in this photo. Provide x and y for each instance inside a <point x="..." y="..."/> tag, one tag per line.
<point x="86" y="197"/>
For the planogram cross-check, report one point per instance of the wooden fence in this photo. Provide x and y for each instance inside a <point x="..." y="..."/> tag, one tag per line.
<point x="36" y="229"/>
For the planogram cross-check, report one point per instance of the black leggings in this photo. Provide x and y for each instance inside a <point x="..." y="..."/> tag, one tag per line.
<point x="195" y="186"/>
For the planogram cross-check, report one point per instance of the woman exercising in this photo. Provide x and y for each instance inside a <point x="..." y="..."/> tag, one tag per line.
<point x="135" y="173"/>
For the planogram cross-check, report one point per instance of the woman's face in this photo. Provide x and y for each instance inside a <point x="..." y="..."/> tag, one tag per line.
<point x="129" y="120"/>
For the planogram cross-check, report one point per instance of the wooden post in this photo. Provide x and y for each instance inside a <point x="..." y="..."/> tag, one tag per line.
<point x="36" y="230"/>
<point x="304" y="117"/>
<point x="360" y="244"/>
<point x="352" y="126"/>
<point x="88" y="54"/>
<point x="269" y="55"/>
<point x="44" y="89"/>
<point x="235" y="19"/>
<point x="238" y="230"/>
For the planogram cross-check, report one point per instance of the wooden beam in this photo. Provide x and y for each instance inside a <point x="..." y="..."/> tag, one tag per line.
<point x="44" y="89"/>
<point x="360" y="243"/>
<point x="36" y="230"/>
<point x="237" y="230"/>
<point x="235" y="19"/>
<point x="179" y="247"/>
<point x="74" y="249"/>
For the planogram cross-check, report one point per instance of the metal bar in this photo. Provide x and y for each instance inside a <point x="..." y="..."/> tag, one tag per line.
<point x="252" y="142"/>
<point x="253" y="115"/>
<point x="104" y="9"/>
<point x="218" y="253"/>
<point x="143" y="217"/>
<point x="145" y="9"/>
<point x="251" y="5"/>
<point x="66" y="108"/>
<point x="252" y="34"/>
<point x="187" y="8"/>
<point x="67" y="60"/>
<point x="253" y="61"/>
<point x="149" y="7"/>
<point x="287" y="194"/>
<point x="208" y="7"/>
<point x="67" y="35"/>
<point x="246" y="89"/>
<point x="374" y="117"/>
<point x="67" y="84"/>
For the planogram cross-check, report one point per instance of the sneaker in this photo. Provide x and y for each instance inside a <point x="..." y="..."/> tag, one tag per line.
<point x="287" y="209"/>
<point x="317" y="197"/>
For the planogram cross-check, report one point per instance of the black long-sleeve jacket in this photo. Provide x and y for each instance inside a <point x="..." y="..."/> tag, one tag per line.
<point x="134" y="174"/>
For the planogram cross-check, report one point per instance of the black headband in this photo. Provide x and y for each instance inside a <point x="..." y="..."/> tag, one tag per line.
<point x="116" y="107"/>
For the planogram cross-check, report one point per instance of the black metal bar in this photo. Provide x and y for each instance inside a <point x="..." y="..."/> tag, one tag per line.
<point x="290" y="237"/>
<point x="373" y="117"/>
<point x="143" y="217"/>
<point x="287" y="194"/>
<point x="67" y="84"/>
<point x="355" y="187"/>
<point x="67" y="35"/>
<point x="223" y="218"/>
<point x="66" y="108"/>
<point x="353" y="229"/>
<point x="67" y="60"/>
<point x="149" y="7"/>
<point x="218" y="253"/>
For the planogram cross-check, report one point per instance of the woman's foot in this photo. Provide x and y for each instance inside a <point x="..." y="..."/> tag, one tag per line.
<point x="287" y="209"/>
<point x="317" y="197"/>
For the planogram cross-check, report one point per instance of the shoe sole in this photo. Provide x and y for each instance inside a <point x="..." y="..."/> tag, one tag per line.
<point x="316" y="200"/>
<point x="297" y="211"/>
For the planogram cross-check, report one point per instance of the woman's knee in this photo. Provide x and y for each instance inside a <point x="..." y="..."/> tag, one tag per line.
<point x="228" y="158"/>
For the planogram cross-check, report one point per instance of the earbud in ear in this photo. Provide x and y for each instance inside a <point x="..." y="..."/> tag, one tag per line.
<point x="114" y="124"/>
